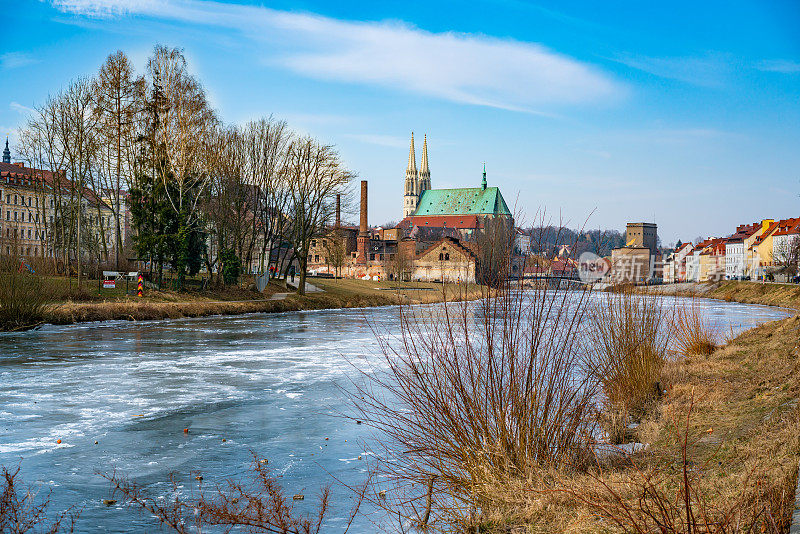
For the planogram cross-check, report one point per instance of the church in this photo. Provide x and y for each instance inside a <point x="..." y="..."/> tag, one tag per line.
<point x="436" y="240"/>
<point x="459" y="212"/>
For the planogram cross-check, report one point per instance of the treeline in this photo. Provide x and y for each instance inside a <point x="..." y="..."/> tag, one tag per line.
<point x="553" y="241"/>
<point x="199" y="192"/>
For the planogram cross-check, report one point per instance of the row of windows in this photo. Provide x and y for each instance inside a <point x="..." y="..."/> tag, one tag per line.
<point x="31" y="234"/>
<point x="31" y="217"/>
<point x="20" y="199"/>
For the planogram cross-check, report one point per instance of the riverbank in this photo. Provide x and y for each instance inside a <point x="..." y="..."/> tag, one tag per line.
<point x="727" y="429"/>
<point x="770" y="294"/>
<point x="275" y="299"/>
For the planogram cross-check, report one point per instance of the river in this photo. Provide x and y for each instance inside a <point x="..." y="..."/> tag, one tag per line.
<point x="266" y="383"/>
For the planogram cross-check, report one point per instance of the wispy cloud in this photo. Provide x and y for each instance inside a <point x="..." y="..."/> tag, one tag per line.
<point x="785" y="66"/>
<point x="463" y="68"/>
<point x="25" y="110"/>
<point x="711" y="70"/>
<point x="390" y="141"/>
<point x="13" y="60"/>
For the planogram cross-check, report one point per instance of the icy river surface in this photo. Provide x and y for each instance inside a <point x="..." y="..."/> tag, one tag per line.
<point x="268" y="384"/>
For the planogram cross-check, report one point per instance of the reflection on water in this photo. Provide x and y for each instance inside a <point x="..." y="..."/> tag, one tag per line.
<point x="264" y="383"/>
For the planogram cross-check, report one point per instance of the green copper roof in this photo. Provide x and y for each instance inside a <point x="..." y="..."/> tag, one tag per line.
<point x="465" y="201"/>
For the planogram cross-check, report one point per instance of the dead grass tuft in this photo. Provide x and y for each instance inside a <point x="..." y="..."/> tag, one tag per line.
<point x="692" y="333"/>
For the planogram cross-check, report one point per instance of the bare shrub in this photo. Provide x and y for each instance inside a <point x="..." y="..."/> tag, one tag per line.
<point x="629" y="336"/>
<point x="22" y="510"/>
<point x="468" y="394"/>
<point x="692" y="333"/>
<point x="257" y="505"/>
<point x="673" y="500"/>
<point x="22" y="300"/>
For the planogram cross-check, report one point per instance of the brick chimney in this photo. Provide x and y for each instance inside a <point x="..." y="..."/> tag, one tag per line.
<point x="363" y="231"/>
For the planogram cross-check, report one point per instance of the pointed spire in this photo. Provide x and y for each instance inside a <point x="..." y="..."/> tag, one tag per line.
<point x="412" y="160"/>
<point x="6" y="153"/>
<point x="424" y="164"/>
<point x="483" y="184"/>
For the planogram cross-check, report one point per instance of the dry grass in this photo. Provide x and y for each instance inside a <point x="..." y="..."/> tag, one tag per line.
<point x="785" y="295"/>
<point x="469" y="395"/>
<point x="741" y="447"/>
<point x="629" y="336"/>
<point x="692" y="333"/>
<point x="23" y="299"/>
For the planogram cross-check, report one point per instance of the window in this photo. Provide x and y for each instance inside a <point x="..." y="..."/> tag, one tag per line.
<point x="15" y="216"/>
<point x="29" y="201"/>
<point x="316" y="258"/>
<point x="313" y="243"/>
<point x="29" y="235"/>
<point x="15" y="200"/>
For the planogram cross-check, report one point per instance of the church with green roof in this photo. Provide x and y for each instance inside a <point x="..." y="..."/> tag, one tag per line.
<point x="459" y="208"/>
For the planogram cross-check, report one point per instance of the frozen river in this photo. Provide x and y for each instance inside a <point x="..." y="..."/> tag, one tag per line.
<point x="263" y="383"/>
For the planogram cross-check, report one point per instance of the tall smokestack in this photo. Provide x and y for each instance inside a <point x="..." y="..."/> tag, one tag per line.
<point x="338" y="210"/>
<point x="363" y="233"/>
<point x="363" y="227"/>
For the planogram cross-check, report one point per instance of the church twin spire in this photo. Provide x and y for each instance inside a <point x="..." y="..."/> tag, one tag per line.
<point x="417" y="181"/>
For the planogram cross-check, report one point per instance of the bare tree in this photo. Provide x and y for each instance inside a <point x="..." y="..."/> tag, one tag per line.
<point x="314" y="174"/>
<point x="182" y="137"/>
<point x="119" y="99"/>
<point x="266" y="145"/>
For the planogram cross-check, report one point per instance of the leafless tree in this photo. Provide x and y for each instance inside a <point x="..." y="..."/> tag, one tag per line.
<point x="266" y="144"/>
<point x="184" y="131"/>
<point x="119" y="99"/>
<point x="314" y="176"/>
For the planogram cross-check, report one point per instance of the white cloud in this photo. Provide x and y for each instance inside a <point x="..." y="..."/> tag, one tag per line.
<point x="25" y="110"/>
<point x="13" y="60"/>
<point x="390" y="141"/>
<point x="711" y="70"/>
<point x="463" y="68"/>
<point x="779" y="65"/>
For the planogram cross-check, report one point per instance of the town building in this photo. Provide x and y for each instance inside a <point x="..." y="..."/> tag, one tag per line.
<point x="639" y="261"/>
<point x="736" y="265"/>
<point x="441" y="236"/>
<point x="35" y="206"/>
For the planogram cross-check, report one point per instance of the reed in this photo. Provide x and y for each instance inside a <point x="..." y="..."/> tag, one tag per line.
<point x="22" y="296"/>
<point x="467" y="395"/>
<point x="692" y="333"/>
<point x="629" y="335"/>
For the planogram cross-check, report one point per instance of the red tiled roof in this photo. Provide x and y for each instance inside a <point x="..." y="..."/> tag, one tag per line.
<point x="788" y="227"/>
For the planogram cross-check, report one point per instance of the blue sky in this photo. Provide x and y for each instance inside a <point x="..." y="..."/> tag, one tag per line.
<point x="683" y="112"/>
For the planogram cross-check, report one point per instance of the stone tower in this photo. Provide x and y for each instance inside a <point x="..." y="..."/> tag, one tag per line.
<point x="6" y="153"/>
<point x="410" y="195"/>
<point x="424" y="173"/>
<point x="416" y="181"/>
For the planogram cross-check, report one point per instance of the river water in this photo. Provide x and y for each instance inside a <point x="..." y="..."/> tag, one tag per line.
<point x="267" y="384"/>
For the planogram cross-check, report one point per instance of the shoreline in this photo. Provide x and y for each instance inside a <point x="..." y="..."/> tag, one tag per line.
<point x="332" y="297"/>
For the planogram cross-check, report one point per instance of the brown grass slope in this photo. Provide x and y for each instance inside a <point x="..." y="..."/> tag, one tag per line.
<point x="743" y="447"/>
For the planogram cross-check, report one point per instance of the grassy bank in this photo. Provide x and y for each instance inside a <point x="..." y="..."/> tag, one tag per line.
<point x="234" y="301"/>
<point x="772" y="294"/>
<point x="724" y="437"/>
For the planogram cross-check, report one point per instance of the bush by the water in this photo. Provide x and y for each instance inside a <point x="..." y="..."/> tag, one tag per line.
<point x="22" y="296"/>
<point x="692" y="333"/>
<point x="629" y="335"/>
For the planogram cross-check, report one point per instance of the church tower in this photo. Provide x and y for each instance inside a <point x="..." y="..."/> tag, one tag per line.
<point x="411" y="193"/>
<point x="424" y="172"/>
<point x="6" y="153"/>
